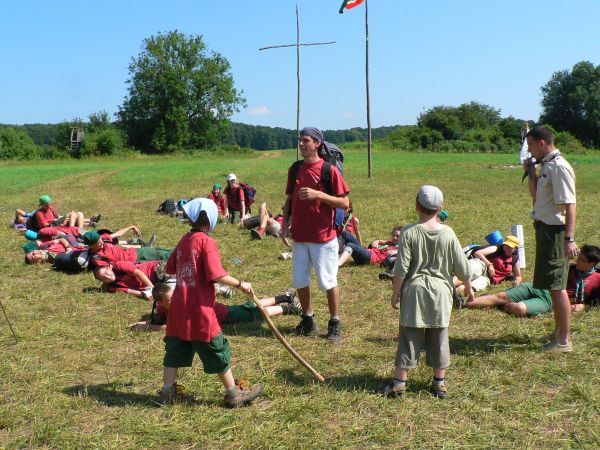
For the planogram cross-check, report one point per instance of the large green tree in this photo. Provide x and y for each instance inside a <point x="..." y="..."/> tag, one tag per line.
<point x="180" y="95"/>
<point x="571" y="102"/>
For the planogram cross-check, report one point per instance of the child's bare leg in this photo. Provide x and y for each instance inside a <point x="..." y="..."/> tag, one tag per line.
<point x="305" y="301"/>
<point x="71" y="219"/>
<point x="275" y="310"/>
<point x="169" y="375"/>
<point x="401" y="374"/>
<point x="439" y="373"/>
<point x="344" y="257"/>
<point x="489" y="301"/>
<point x="227" y="379"/>
<point x="79" y="221"/>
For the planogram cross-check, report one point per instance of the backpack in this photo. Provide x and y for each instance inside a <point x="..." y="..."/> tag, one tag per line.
<point x="169" y="207"/>
<point x="332" y="154"/>
<point x="325" y="174"/>
<point x="249" y="193"/>
<point x="73" y="262"/>
<point x="470" y="250"/>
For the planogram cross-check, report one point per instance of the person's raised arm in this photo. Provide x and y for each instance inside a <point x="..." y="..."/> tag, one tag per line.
<point x="121" y="232"/>
<point x="482" y="255"/>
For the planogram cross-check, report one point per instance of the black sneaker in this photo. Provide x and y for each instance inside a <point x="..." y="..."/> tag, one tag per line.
<point x="385" y="276"/>
<point x="307" y="327"/>
<point x="459" y="301"/>
<point x="334" y="332"/>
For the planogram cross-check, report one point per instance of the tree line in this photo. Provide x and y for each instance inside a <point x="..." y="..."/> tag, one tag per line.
<point x="181" y="96"/>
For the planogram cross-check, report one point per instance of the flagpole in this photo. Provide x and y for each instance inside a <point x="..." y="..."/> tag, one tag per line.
<point x="367" y="87"/>
<point x="298" y="78"/>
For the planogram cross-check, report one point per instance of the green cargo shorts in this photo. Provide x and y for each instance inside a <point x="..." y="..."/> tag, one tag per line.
<point x="551" y="265"/>
<point x="145" y="254"/>
<point x="215" y="355"/>
<point x="536" y="301"/>
<point x="248" y="312"/>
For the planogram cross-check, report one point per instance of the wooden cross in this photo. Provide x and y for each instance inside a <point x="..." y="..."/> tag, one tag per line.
<point x="298" y="44"/>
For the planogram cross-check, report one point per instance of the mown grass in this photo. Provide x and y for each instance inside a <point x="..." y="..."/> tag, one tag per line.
<point x="78" y="378"/>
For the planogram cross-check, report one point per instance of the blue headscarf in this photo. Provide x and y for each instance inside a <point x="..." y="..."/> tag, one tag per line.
<point x="193" y="208"/>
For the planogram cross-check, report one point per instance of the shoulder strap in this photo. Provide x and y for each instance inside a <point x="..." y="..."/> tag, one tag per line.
<point x="326" y="176"/>
<point x="294" y="171"/>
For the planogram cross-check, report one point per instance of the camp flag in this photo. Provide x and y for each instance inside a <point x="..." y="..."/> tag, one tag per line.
<point x="349" y="4"/>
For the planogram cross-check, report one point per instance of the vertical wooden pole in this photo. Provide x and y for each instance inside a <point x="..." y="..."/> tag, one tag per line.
<point x="298" y="77"/>
<point x="367" y="84"/>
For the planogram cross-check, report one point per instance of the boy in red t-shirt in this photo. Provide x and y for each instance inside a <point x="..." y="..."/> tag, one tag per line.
<point x="310" y="209"/>
<point x="193" y="327"/>
<point x="236" y="199"/>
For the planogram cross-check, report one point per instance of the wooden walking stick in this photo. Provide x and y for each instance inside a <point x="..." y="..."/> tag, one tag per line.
<point x="285" y="343"/>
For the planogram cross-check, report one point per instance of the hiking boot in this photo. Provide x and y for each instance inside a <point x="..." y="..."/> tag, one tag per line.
<point x="225" y="291"/>
<point x="307" y="327"/>
<point x="555" y="347"/>
<point x="384" y="276"/>
<point x="459" y="301"/>
<point x="242" y="395"/>
<point x="334" y="331"/>
<point x="393" y="391"/>
<point x="438" y="390"/>
<point x="151" y="241"/>
<point x="95" y="219"/>
<point x="257" y="233"/>
<point x="173" y="394"/>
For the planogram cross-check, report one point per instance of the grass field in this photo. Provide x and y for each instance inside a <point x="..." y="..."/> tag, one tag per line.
<point x="78" y="378"/>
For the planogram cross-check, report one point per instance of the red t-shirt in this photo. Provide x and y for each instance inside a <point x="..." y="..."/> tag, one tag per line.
<point x="52" y="247"/>
<point x="235" y="197"/>
<point x="111" y="253"/>
<point x="44" y="218"/>
<point x="591" y="286"/>
<point x="47" y="233"/>
<point x="221" y="311"/>
<point x="220" y="201"/>
<point x="312" y="220"/>
<point x="196" y="263"/>
<point x="503" y="265"/>
<point x="382" y="251"/>
<point x="126" y="279"/>
<point x="350" y="226"/>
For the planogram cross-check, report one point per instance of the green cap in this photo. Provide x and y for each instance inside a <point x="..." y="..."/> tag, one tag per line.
<point x="91" y="237"/>
<point x="217" y="186"/>
<point x="45" y="200"/>
<point x="30" y="246"/>
<point x="443" y="215"/>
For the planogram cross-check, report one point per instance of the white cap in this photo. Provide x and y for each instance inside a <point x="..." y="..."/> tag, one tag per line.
<point x="430" y="197"/>
<point x="231" y="177"/>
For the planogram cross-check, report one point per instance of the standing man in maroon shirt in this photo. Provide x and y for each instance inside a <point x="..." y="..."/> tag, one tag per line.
<point x="310" y="206"/>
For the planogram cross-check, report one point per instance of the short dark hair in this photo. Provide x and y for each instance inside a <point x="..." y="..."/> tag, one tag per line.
<point x="591" y="252"/>
<point x="396" y="228"/>
<point x="542" y="132"/>
<point x="160" y="289"/>
<point x="202" y="220"/>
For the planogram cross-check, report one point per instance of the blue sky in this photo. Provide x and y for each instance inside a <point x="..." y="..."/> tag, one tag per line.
<point x="63" y="59"/>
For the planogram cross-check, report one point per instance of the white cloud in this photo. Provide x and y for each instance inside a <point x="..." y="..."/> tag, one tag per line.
<point x="260" y="111"/>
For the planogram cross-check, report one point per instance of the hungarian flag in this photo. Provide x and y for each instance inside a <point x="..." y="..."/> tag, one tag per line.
<point x="349" y="4"/>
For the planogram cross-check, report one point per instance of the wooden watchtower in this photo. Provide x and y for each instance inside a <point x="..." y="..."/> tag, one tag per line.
<point x="76" y="139"/>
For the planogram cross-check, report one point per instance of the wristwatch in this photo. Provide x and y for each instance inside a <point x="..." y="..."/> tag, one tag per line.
<point x="569" y="239"/>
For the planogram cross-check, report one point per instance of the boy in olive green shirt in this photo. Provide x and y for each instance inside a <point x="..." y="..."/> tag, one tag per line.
<point x="429" y="254"/>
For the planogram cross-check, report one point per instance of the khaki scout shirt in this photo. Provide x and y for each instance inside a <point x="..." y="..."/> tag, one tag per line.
<point x="555" y="189"/>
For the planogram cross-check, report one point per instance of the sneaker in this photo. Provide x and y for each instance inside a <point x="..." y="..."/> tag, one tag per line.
<point x="554" y="346"/>
<point x="173" y="394"/>
<point x="307" y="327"/>
<point x="285" y="256"/>
<point x="459" y="301"/>
<point x="386" y="276"/>
<point x="242" y="394"/>
<point x="226" y="291"/>
<point x="95" y="219"/>
<point x="257" y="233"/>
<point x="392" y="391"/>
<point x="334" y="331"/>
<point x="438" y="390"/>
<point x="295" y="306"/>
<point x="151" y="241"/>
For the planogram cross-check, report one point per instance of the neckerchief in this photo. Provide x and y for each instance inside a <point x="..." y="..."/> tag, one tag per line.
<point x="579" y="283"/>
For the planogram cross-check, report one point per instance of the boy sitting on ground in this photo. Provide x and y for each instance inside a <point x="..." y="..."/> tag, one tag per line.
<point x="377" y="253"/>
<point x="193" y="327"/>
<point x="284" y="304"/>
<point x="429" y="254"/>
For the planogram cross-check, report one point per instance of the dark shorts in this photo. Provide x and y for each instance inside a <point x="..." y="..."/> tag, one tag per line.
<point x="234" y="215"/>
<point x="145" y="254"/>
<point x="536" y="301"/>
<point x="433" y="340"/>
<point x="551" y="265"/>
<point x="248" y="312"/>
<point x="215" y="355"/>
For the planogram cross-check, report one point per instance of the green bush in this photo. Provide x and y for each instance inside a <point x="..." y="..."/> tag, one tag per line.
<point x="16" y="144"/>
<point x="107" y="141"/>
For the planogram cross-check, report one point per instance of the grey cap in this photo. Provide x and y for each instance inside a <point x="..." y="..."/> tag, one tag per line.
<point x="430" y="197"/>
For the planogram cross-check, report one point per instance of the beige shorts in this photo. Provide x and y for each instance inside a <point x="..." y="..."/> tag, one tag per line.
<point x="433" y="340"/>
<point x="273" y="228"/>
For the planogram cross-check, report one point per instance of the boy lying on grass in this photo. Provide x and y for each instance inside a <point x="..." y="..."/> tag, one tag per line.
<point x="377" y="253"/>
<point x="193" y="327"/>
<point x="429" y="254"/>
<point x="583" y="289"/>
<point x="284" y="304"/>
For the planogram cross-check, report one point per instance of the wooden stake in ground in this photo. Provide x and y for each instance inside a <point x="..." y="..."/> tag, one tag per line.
<point x="285" y="343"/>
<point x="297" y="45"/>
